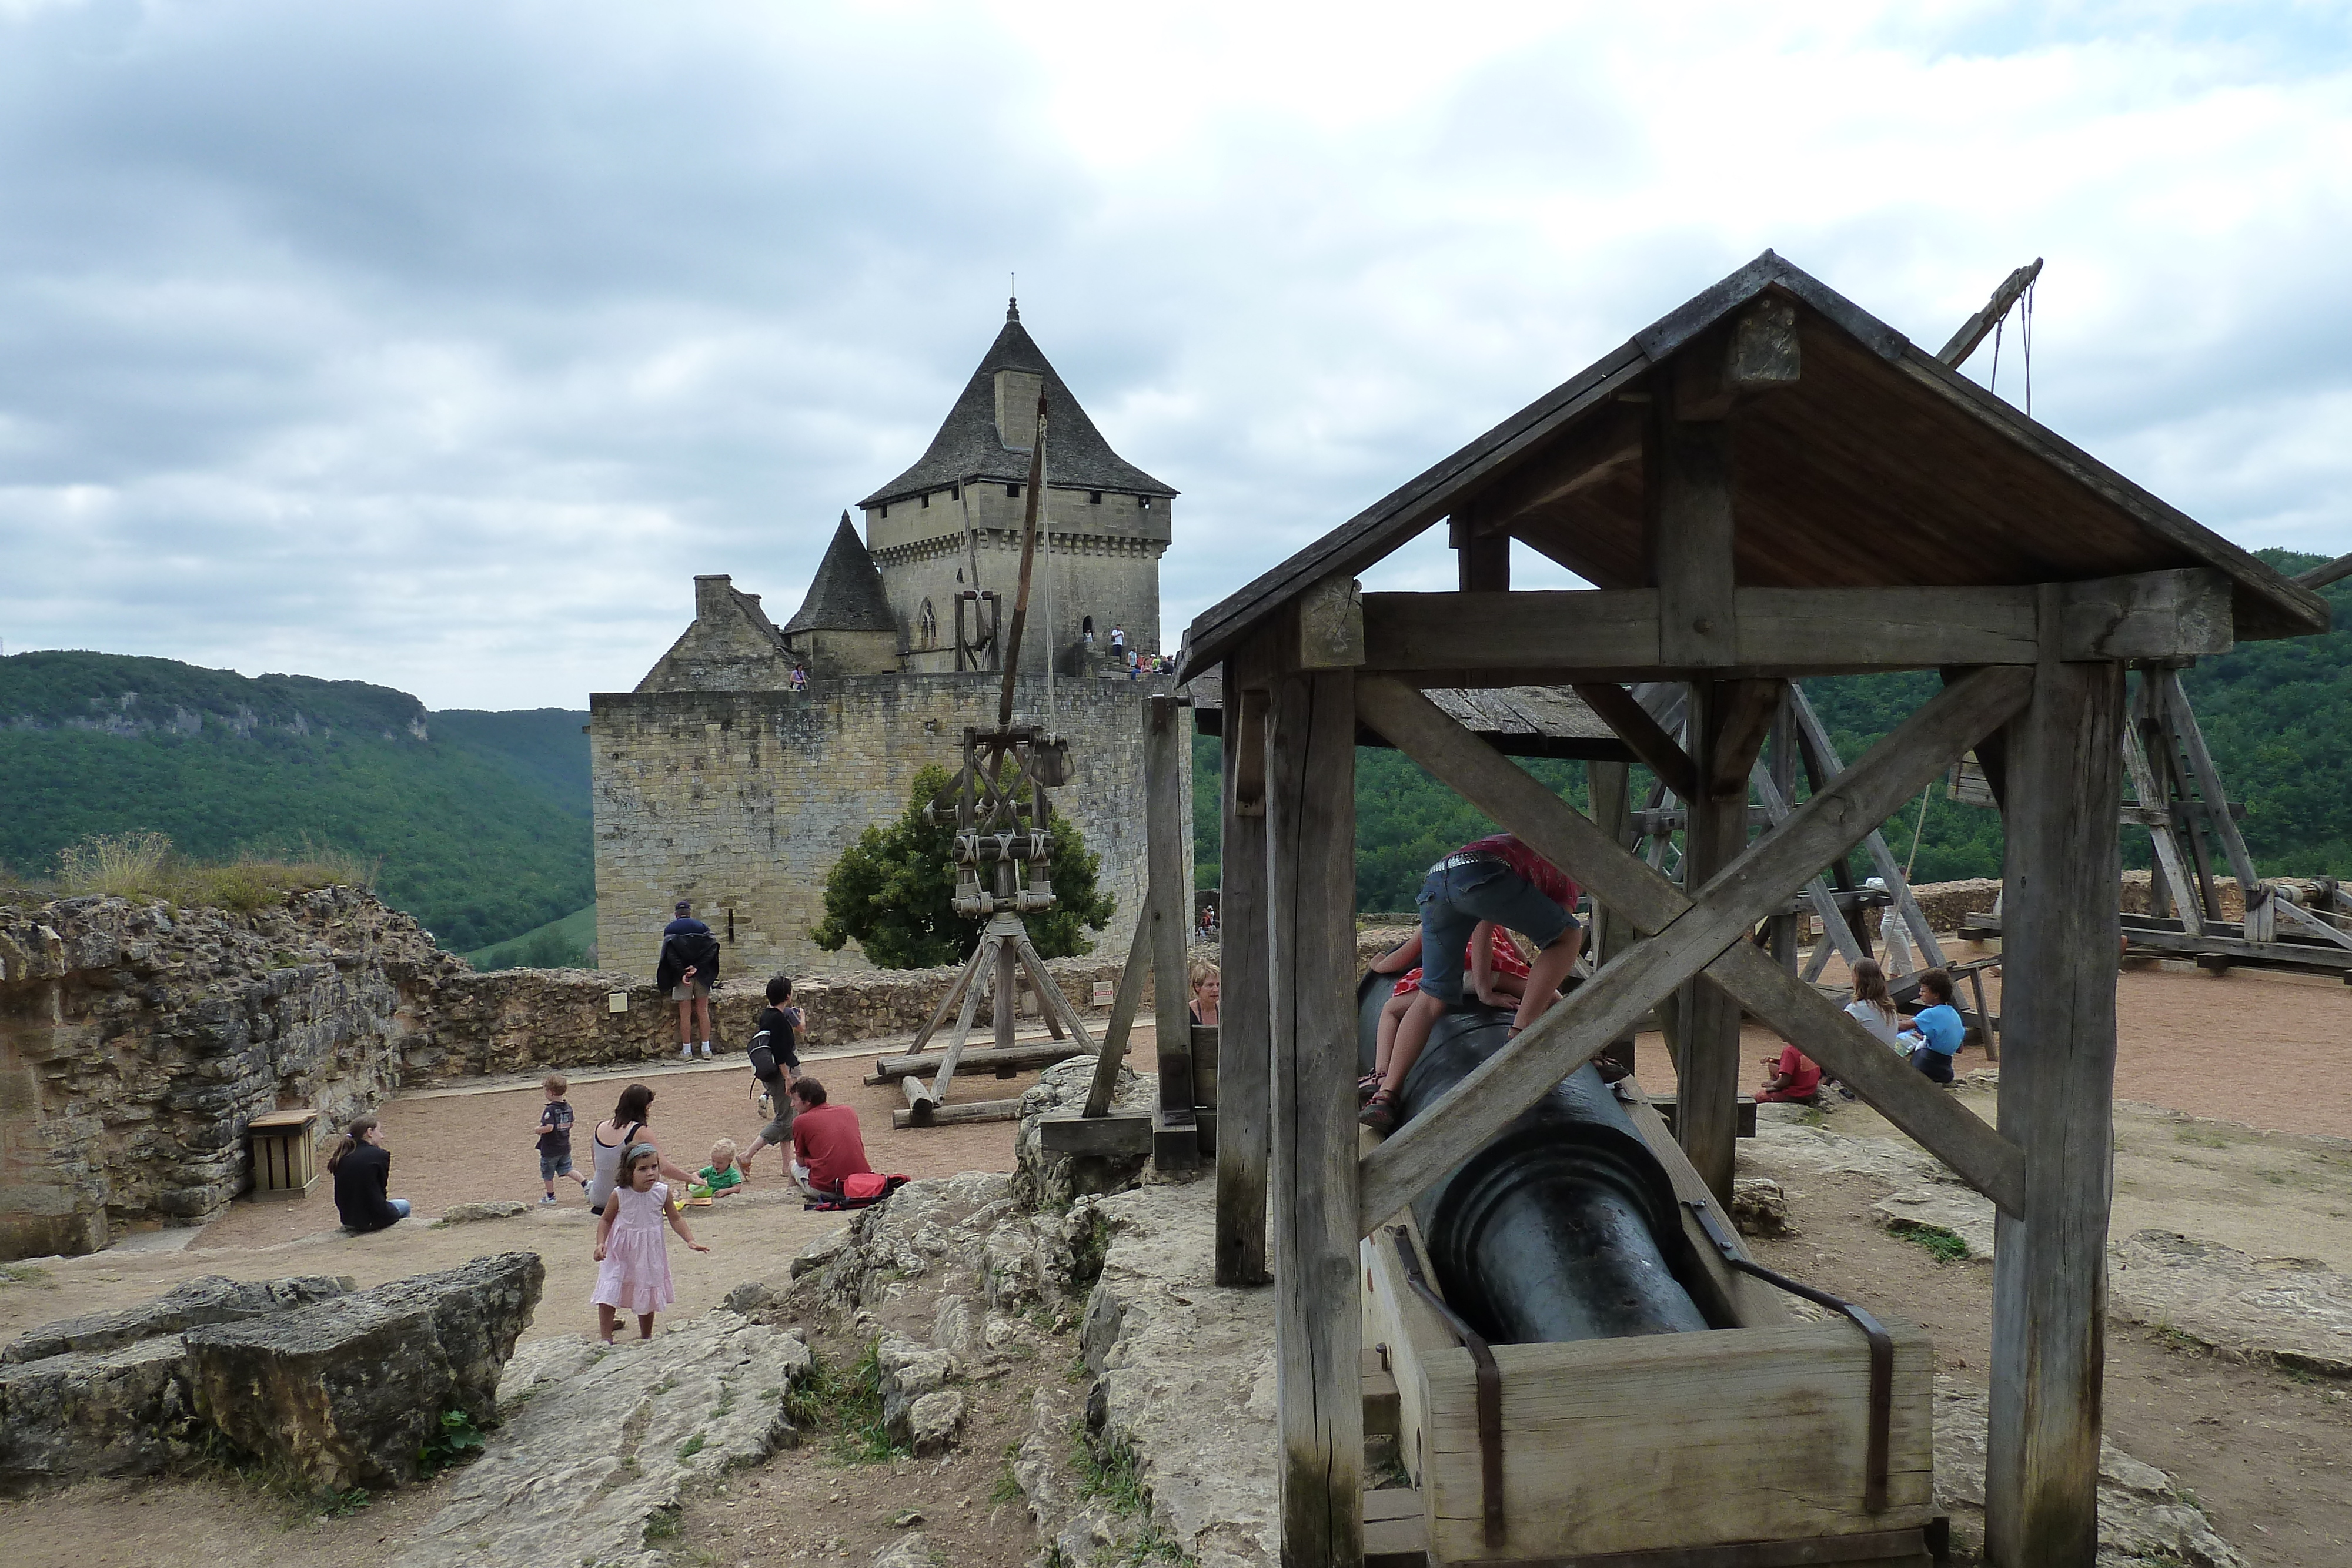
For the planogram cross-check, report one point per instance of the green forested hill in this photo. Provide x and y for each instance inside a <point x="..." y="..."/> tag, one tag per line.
<point x="2278" y="716"/>
<point x="479" y="819"/>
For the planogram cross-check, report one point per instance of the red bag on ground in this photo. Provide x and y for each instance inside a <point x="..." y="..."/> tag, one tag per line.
<point x="865" y="1184"/>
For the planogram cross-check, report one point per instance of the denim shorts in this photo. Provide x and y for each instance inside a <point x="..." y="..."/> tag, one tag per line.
<point x="553" y="1165"/>
<point x="1456" y="898"/>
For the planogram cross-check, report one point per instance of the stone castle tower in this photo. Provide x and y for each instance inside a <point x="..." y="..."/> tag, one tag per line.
<point x="715" y="781"/>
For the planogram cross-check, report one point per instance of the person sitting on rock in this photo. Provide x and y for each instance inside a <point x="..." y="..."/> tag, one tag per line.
<point x="1937" y="1028"/>
<point x="827" y="1147"/>
<point x="1791" y="1078"/>
<point x="362" y="1168"/>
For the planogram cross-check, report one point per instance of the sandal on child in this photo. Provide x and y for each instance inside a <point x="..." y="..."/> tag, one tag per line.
<point x="1366" y="1086"/>
<point x="1380" y="1114"/>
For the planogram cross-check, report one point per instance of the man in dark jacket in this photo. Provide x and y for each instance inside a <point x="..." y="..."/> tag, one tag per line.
<point x="688" y="969"/>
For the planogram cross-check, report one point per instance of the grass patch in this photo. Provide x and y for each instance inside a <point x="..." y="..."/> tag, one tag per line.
<point x="1112" y="1472"/>
<point x="144" y="867"/>
<point x="2201" y="1138"/>
<point x="847" y="1404"/>
<point x="1943" y="1246"/>
<point x="2177" y="1340"/>
<point x="690" y="1448"/>
<point x="664" y="1524"/>
<point x="26" y="1274"/>
<point x="1008" y="1484"/>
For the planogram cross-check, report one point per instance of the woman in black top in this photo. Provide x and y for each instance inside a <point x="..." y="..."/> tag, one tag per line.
<point x="362" y="1168"/>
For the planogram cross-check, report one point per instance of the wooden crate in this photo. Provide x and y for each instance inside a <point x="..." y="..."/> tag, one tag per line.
<point x="284" y="1153"/>
<point x="1671" y="1442"/>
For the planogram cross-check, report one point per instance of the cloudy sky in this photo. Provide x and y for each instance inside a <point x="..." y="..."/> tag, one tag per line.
<point x="440" y="344"/>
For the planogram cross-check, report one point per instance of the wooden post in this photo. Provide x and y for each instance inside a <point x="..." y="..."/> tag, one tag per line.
<point x="2058" y="1015"/>
<point x="1609" y="783"/>
<point x="1317" y="1318"/>
<point x="1244" y="1122"/>
<point x="1175" y="1143"/>
<point x="1782" y="767"/>
<point x="1706" y="1113"/>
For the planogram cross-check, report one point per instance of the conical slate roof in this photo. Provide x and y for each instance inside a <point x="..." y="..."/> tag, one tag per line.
<point x="847" y="595"/>
<point x="967" y="445"/>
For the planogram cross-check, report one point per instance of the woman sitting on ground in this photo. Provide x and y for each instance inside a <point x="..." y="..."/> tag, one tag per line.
<point x="362" y="1168"/>
<point x="626" y="1126"/>
<point x="1872" y="1006"/>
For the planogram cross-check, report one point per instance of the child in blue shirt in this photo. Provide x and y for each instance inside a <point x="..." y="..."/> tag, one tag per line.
<point x="1938" y="1027"/>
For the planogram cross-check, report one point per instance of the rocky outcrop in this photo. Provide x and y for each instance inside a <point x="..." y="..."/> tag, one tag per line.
<point x="207" y="1299"/>
<point x="1185" y="1373"/>
<point x="2294" y="1311"/>
<point x="111" y="1394"/>
<point x="596" y="1441"/>
<point x="140" y="1039"/>
<point x="2146" y="1520"/>
<point x="1046" y="1180"/>
<point x="344" y="1393"/>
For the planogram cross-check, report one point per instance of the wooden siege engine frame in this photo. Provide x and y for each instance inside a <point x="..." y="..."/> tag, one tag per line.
<point x="1703" y="474"/>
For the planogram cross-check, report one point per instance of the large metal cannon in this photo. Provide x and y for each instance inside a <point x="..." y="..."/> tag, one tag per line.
<point x="1588" y="1363"/>
<point x="1564" y="1227"/>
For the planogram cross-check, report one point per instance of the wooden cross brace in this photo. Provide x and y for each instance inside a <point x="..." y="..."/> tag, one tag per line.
<point x="1685" y="935"/>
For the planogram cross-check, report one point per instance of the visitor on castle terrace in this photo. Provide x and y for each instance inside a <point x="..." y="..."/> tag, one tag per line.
<point x="1937" y="1030"/>
<point x="688" y="969"/>
<point x="827" y="1147"/>
<point x="1496" y="879"/>
<point x="362" y="1168"/>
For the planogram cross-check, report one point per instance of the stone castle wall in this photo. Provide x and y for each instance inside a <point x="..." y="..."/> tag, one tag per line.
<point x="1104" y="563"/>
<point x="742" y="801"/>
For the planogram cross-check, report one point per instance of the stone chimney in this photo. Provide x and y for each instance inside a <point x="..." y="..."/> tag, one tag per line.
<point x="713" y="597"/>
<point x="1016" y="408"/>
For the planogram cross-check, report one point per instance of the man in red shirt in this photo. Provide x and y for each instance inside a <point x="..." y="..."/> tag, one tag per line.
<point x="826" y="1144"/>
<point x="1496" y="879"/>
<point x="1792" y="1077"/>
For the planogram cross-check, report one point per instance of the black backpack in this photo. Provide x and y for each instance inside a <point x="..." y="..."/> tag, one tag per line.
<point x="762" y="1055"/>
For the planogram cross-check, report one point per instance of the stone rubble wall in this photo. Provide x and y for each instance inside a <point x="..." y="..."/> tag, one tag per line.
<point x="137" y="1042"/>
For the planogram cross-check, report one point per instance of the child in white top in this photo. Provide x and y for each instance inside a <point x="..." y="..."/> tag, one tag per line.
<point x="1871" y="1008"/>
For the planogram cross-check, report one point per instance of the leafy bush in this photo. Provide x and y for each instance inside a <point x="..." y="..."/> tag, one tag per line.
<point x="458" y="1440"/>
<point x="893" y="892"/>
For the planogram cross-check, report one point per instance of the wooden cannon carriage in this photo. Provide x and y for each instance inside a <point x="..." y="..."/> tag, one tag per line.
<point x="1767" y="483"/>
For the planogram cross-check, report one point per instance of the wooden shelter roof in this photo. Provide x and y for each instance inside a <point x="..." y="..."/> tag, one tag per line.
<point x="1877" y="466"/>
<point x="1518" y="721"/>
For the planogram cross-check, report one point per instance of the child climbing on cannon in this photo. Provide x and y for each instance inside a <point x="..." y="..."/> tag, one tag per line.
<point x="1498" y="977"/>
<point x="1494" y="880"/>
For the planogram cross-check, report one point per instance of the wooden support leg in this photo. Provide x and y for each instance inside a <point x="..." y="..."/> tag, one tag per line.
<point x="1122" y="1014"/>
<point x="1008" y="999"/>
<point x="1244" y="1122"/>
<point x="2061" y="929"/>
<point x="1706" y="1114"/>
<point x="1175" y="1142"/>
<point x="1318" y="1321"/>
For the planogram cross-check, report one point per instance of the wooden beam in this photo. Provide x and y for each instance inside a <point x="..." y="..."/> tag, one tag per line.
<point x="2210" y="787"/>
<point x="1482" y="555"/>
<point x="1816" y="736"/>
<point x="1792" y="630"/>
<point x="1244" y="1066"/>
<point x="2150" y="794"/>
<point x="2319" y="577"/>
<point x="1657" y="749"/>
<point x="1124" y="1134"/>
<point x="1689" y="934"/>
<point x="942" y="1116"/>
<point x="1859" y="1060"/>
<point x="1004" y="1063"/>
<point x="2042" y="1478"/>
<point x="1592" y="454"/>
<point x="1318" y="1315"/>
<point x="1724" y="732"/>
<point x="1122" y="1012"/>
<point x="1331" y="624"/>
<point x="1760" y="353"/>
<point x="1687" y="540"/>
<point x="1978" y="326"/>
<point x="1608" y="785"/>
<point x="1166" y="775"/>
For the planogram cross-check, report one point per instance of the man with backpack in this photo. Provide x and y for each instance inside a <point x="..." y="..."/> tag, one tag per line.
<point x="688" y="969"/>
<point x="775" y="1062"/>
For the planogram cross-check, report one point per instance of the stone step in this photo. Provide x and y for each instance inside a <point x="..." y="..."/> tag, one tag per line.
<point x="1383" y="1411"/>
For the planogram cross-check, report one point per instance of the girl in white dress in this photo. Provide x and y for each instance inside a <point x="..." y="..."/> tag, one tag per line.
<point x="632" y="1253"/>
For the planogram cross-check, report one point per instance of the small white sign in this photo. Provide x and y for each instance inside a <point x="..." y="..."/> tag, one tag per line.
<point x="1103" y="989"/>
<point x="617" y="1002"/>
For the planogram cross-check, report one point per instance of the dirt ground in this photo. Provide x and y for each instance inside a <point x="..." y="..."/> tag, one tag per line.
<point x="2223" y="1082"/>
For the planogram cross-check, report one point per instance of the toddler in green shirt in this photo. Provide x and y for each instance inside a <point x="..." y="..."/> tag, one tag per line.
<point x="723" y="1171"/>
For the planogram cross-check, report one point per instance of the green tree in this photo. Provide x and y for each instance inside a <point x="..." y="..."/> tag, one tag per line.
<point x="893" y="892"/>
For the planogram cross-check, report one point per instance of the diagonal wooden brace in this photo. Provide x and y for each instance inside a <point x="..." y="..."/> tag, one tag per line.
<point x="1689" y="934"/>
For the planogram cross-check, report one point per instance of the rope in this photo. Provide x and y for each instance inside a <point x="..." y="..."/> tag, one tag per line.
<point x="2025" y="338"/>
<point x="1924" y="796"/>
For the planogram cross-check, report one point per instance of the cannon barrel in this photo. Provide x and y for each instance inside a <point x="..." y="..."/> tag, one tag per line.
<point x="1564" y="1225"/>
